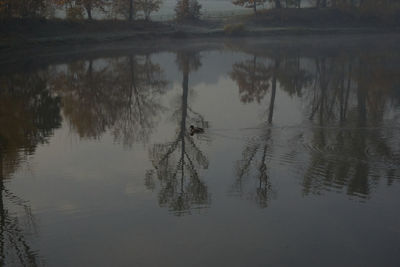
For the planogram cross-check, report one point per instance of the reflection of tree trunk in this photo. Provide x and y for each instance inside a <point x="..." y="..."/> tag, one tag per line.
<point x="344" y="94"/>
<point x="253" y="73"/>
<point x="132" y="85"/>
<point x="185" y="88"/>
<point x="263" y="166"/>
<point x="272" y="101"/>
<point x="348" y="91"/>
<point x="90" y="71"/>
<point x="135" y="91"/>
<point x="362" y="110"/>
<point x="322" y="73"/>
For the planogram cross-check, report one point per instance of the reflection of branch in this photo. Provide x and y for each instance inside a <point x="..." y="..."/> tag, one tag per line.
<point x="11" y="231"/>
<point x="22" y="203"/>
<point x="181" y="193"/>
<point x="251" y="151"/>
<point x="262" y="194"/>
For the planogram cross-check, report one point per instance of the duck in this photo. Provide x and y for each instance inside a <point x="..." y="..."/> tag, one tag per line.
<point x="195" y="130"/>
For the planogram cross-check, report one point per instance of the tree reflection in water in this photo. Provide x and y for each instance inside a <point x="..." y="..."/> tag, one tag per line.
<point x="119" y="95"/>
<point x="254" y="81"/>
<point x="351" y="146"/>
<point x="28" y="116"/>
<point x="181" y="157"/>
<point x="347" y="98"/>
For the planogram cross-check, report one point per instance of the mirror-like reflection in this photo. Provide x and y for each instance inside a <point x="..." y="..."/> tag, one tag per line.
<point x="177" y="163"/>
<point x="254" y="80"/>
<point x="121" y="95"/>
<point x="349" y="140"/>
<point x="28" y="116"/>
<point x="102" y="146"/>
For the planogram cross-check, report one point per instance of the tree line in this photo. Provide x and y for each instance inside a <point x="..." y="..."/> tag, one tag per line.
<point x="367" y="6"/>
<point x="81" y="9"/>
<point x="184" y="9"/>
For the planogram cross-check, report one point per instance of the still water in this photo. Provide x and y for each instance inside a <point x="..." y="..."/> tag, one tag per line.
<point x="298" y="164"/>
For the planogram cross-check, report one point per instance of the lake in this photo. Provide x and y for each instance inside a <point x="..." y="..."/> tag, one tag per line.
<point x="298" y="164"/>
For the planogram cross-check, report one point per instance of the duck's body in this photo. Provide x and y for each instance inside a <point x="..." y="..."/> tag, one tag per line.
<point x="196" y="130"/>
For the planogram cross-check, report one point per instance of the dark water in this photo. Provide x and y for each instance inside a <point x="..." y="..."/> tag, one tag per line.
<point x="298" y="165"/>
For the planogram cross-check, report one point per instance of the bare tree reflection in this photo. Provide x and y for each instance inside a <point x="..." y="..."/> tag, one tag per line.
<point x="142" y="85"/>
<point x="28" y="116"/>
<point x="177" y="163"/>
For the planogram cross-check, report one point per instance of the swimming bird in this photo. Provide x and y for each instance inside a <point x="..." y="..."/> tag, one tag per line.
<point x="196" y="130"/>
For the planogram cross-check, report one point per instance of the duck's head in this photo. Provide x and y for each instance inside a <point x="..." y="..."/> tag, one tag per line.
<point x="191" y="127"/>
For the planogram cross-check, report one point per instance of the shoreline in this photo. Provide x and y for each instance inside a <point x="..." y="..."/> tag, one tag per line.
<point x="16" y="42"/>
<point x="38" y="56"/>
<point x="20" y="34"/>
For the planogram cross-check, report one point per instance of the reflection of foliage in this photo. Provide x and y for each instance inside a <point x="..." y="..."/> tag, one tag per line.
<point x="252" y="79"/>
<point x="28" y="115"/>
<point x="88" y="104"/>
<point x="182" y="157"/>
<point x="354" y="154"/>
<point x="120" y="96"/>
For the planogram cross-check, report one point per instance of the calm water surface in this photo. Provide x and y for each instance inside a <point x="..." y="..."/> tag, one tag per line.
<point x="298" y="165"/>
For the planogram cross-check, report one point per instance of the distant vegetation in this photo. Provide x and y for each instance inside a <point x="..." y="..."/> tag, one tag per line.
<point x="323" y="12"/>
<point x="81" y="9"/>
<point x="189" y="9"/>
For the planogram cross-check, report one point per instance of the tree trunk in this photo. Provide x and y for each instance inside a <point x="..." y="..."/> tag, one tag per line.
<point x="89" y="11"/>
<point x="255" y="7"/>
<point x="130" y="10"/>
<point x="278" y="4"/>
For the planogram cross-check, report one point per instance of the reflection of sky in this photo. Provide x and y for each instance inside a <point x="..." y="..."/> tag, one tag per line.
<point x="93" y="208"/>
